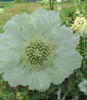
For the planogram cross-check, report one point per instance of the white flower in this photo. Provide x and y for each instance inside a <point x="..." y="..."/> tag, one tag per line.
<point x="58" y="0"/>
<point x="80" y="26"/>
<point x="35" y="52"/>
<point x="83" y="87"/>
<point x="59" y="94"/>
<point x="77" y="11"/>
<point x="2" y="10"/>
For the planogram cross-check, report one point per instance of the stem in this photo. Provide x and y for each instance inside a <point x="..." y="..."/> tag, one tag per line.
<point x="83" y="49"/>
<point x="63" y="98"/>
<point x="75" y="4"/>
<point x="51" y="4"/>
<point x="1" y="90"/>
<point x="65" y="95"/>
<point x="58" y="6"/>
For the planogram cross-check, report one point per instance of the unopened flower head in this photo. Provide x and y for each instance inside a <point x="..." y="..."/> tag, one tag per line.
<point x="83" y="87"/>
<point x="36" y="51"/>
<point x="80" y="26"/>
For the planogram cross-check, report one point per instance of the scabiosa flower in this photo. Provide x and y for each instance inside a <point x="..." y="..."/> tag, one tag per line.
<point x="83" y="87"/>
<point x="80" y="26"/>
<point x="36" y="51"/>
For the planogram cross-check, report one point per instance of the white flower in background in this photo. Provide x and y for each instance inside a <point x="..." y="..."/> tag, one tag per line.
<point x="58" y="1"/>
<point x="59" y="7"/>
<point x="77" y="11"/>
<point x="35" y="52"/>
<point x="83" y="87"/>
<point x="80" y="12"/>
<point x="59" y="94"/>
<point x="2" y="10"/>
<point x="80" y="26"/>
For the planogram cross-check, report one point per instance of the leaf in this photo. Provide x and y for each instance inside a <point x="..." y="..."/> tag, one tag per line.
<point x="11" y="96"/>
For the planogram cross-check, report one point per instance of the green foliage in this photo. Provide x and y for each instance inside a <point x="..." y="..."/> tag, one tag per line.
<point x="67" y="16"/>
<point x="4" y="90"/>
<point x="1" y="30"/>
<point x="51" y="4"/>
<point x="19" y="1"/>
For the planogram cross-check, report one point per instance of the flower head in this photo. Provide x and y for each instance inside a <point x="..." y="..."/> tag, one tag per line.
<point x="80" y="26"/>
<point x="77" y="11"/>
<point x="34" y="51"/>
<point x="83" y="87"/>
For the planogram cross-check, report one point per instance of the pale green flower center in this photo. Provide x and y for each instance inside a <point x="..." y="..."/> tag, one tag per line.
<point x="37" y="52"/>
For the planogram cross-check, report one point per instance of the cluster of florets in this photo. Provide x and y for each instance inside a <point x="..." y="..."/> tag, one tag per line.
<point x="80" y="25"/>
<point x="37" y="52"/>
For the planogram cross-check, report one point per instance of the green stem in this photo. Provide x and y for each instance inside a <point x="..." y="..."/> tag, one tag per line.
<point x="63" y="98"/>
<point x="65" y="95"/>
<point x="75" y="4"/>
<point x="1" y="89"/>
<point x="83" y="49"/>
<point x="51" y="4"/>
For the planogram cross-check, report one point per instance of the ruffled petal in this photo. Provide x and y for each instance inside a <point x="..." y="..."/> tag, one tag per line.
<point x="43" y="20"/>
<point x="57" y="75"/>
<point x="63" y="36"/>
<point x="15" y="26"/>
<point x="65" y="65"/>
<point x="36" y="80"/>
<point x="8" y="59"/>
<point x="7" y="42"/>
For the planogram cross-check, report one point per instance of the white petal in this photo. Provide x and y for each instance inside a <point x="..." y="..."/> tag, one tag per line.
<point x="8" y="59"/>
<point x="21" y="76"/>
<point x="63" y="36"/>
<point x="7" y="42"/>
<point x="40" y="81"/>
<point x="15" y="26"/>
<point x="57" y="75"/>
<point x="43" y="20"/>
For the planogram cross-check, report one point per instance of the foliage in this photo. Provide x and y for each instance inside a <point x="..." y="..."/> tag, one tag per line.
<point x="20" y="1"/>
<point x="67" y="16"/>
<point x="1" y="30"/>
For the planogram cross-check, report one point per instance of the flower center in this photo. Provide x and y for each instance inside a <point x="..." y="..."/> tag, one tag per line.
<point x="37" y="52"/>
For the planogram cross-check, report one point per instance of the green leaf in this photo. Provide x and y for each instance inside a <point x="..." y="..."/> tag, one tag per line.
<point x="11" y="96"/>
